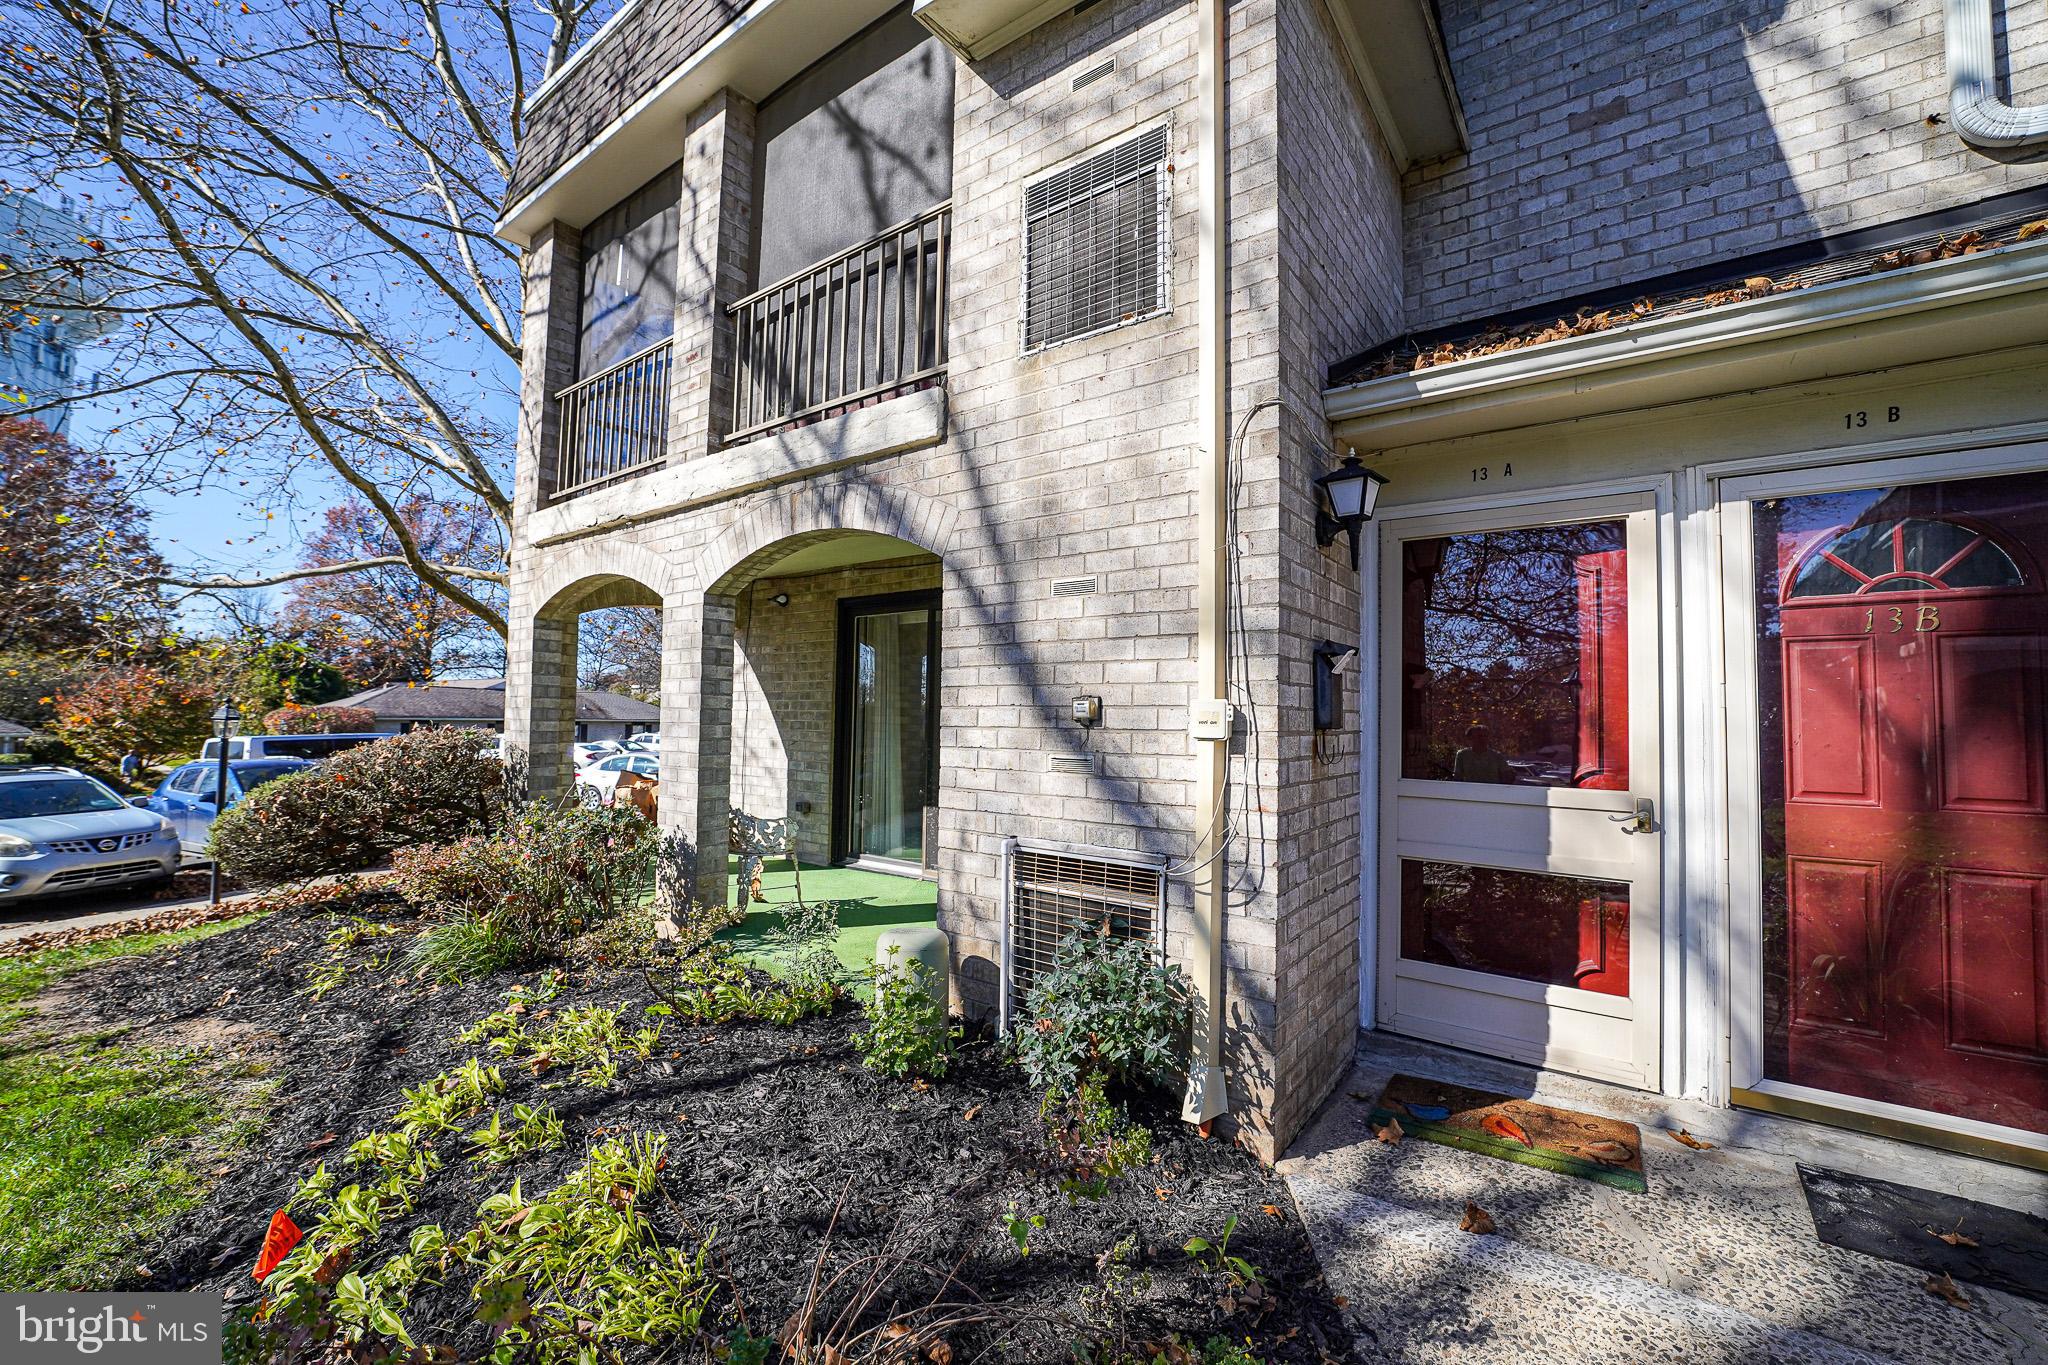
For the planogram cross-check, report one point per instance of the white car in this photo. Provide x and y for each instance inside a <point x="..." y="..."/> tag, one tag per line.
<point x="582" y="755"/>
<point x="598" y="784"/>
<point x="647" y="741"/>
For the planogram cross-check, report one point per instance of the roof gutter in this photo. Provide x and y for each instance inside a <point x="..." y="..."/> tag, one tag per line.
<point x="1980" y="116"/>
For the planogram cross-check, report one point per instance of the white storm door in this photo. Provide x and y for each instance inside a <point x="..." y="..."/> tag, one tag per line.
<point x="1519" y="840"/>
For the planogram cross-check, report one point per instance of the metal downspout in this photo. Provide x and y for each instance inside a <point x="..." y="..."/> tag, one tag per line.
<point x="1206" y="1097"/>
<point x="1981" y="118"/>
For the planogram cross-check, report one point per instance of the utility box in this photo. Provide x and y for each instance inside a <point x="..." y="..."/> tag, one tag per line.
<point x="925" y="945"/>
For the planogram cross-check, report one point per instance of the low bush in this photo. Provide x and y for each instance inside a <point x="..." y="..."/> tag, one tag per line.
<point x="1108" y="1008"/>
<point x="356" y="809"/>
<point x="295" y="719"/>
<point x="714" y="987"/>
<point x="521" y="894"/>
<point x="907" y="1033"/>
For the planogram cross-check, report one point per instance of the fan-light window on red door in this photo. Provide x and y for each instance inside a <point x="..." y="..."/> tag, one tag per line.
<point x="1906" y="554"/>
<point x="1903" y="714"/>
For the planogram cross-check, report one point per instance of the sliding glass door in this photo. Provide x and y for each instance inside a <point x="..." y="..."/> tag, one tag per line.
<point x="888" y="725"/>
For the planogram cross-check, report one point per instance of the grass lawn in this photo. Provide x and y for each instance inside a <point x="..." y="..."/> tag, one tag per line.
<point x="97" y="1141"/>
<point x="870" y="903"/>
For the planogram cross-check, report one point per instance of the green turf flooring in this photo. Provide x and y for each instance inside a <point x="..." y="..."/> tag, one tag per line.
<point x="870" y="903"/>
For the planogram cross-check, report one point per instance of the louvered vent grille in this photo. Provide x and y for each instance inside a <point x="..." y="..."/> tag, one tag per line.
<point x="1054" y="892"/>
<point x="1095" y="243"/>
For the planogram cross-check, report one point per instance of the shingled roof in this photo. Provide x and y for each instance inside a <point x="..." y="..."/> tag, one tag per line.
<point x="483" y="699"/>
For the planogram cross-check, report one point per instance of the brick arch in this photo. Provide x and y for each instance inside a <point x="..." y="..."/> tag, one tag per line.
<point x="755" y="544"/>
<point x="603" y="575"/>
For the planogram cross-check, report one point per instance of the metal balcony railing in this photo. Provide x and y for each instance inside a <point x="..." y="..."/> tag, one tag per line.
<point x="864" y="322"/>
<point x="615" y="421"/>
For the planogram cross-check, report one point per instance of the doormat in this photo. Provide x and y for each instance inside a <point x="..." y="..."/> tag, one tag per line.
<point x="1522" y="1131"/>
<point x="1907" y="1225"/>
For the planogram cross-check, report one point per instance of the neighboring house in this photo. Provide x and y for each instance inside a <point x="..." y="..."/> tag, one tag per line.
<point x="956" y="378"/>
<point x="13" y="737"/>
<point x="479" y="703"/>
<point x="40" y="332"/>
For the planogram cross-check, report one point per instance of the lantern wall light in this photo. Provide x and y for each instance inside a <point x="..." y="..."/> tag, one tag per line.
<point x="1345" y="499"/>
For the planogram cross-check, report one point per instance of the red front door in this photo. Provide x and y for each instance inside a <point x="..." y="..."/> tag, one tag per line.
<point x="1906" y="916"/>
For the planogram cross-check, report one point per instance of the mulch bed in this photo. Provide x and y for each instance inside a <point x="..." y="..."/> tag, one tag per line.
<point x="775" y="1137"/>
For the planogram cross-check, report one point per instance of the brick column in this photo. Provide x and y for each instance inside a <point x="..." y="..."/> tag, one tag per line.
<point x="540" y="655"/>
<point x="552" y="272"/>
<point x="696" y="739"/>
<point x="713" y="269"/>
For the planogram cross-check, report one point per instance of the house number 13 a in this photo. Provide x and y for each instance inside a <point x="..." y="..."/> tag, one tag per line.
<point x="1925" y="618"/>
<point x="1483" y="473"/>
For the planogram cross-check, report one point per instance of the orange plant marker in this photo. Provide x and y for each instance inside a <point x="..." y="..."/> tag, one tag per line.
<point x="278" y="1241"/>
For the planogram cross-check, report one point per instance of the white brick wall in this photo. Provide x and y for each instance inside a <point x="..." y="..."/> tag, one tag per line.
<point x="1615" y="140"/>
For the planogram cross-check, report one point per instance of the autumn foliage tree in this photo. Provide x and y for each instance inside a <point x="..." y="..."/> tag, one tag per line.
<point x="72" y="542"/>
<point x="384" y="624"/>
<point x="149" y="710"/>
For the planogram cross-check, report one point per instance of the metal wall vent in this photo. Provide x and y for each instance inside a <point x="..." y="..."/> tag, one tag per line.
<point x="1076" y="587"/>
<point x="1053" y="890"/>
<point x="1093" y="74"/>
<point x="1079" y="764"/>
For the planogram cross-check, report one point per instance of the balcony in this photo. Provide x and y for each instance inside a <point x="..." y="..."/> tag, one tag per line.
<point x="868" y="322"/>
<point x="614" y="422"/>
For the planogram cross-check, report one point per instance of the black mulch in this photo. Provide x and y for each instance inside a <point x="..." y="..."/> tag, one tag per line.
<point x="770" y="1131"/>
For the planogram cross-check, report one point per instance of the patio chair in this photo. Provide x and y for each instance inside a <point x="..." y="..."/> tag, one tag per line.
<point x="756" y="840"/>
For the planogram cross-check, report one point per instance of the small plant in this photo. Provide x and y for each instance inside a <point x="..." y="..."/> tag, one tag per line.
<point x="335" y="967"/>
<point x="713" y="987"/>
<point x="1217" y="1253"/>
<point x="462" y="949"/>
<point x="1107" y="1305"/>
<point x="1108" y="1007"/>
<point x="907" y="1034"/>
<point x="538" y="1129"/>
<point x="801" y="942"/>
<point x="590" y="1039"/>
<point x="1091" y="1140"/>
<point x="1020" y="1226"/>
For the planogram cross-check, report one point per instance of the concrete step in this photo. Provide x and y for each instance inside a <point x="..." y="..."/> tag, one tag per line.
<point x="1718" y="1261"/>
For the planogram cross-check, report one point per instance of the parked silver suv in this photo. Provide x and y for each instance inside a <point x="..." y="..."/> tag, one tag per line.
<point x="63" y="831"/>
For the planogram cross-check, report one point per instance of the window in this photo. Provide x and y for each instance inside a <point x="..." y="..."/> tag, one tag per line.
<point x="1095" y="243"/>
<point x="629" y="275"/>
<point x="186" y="780"/>
<point x="1905" y="554"/>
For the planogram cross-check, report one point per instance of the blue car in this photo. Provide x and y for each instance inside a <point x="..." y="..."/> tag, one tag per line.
<point x="186" y="795"/>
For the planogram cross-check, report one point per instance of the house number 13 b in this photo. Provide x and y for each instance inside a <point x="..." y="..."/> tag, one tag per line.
<point x="1925" y="618"/>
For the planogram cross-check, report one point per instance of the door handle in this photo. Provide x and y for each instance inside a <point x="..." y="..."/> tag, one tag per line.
<point x="1643" y="820"/>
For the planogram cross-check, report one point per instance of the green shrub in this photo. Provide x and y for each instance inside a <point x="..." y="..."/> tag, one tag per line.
<point x="356" y="809"/>
<point x="1092" y="1141"/>
<point x="714" y="987"/>
<point x="906" y="1033"/>
<point x="1108" y="1008"/>
<point x="520" y="895"/>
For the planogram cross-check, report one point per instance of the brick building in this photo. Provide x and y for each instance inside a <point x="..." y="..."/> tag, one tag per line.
<point x="956" y="377"/>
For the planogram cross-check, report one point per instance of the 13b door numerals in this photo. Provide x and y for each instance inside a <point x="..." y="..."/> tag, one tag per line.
<point x="1852" y="420"/>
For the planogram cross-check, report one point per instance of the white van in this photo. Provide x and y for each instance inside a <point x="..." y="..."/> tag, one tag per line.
<point x="287" y="746"/>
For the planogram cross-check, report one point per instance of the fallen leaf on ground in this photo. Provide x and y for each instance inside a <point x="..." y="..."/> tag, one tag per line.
<point x="1361" y="1096"/>
<point x="920" y="1085"/>
<point x="1687" y="1139"/>
<point x="1955" y="1237"/>
<point x="1342" y="1300"/>
<point x="1390" y="1134"/>
<point x="1204" y="1127"/>
<point x="324" y="1140"/>
<point x="1162" y="1191"/>
<point x="968" y="1117"/>
<point x="1476" y="1219"/>
<point x="1270" y="1210"/>
<point x="1943" y="1286"/>
<point x="1500" y="1125"/>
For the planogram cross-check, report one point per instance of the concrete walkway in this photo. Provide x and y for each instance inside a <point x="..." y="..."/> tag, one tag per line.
<point x="1718" y="1262"/>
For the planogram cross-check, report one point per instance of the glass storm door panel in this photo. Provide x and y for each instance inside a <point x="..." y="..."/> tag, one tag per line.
<point x="1520" y="850"/>
<point x="889" y="676"/>
<point x="1902" y="662"/>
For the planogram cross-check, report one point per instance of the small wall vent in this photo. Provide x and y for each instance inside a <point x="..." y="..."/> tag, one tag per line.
<point x="1076" y="587"/>
<point x="1093" y="74"/>
<point x="1051" y="890"/>
<point x="1079" y="764"/>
